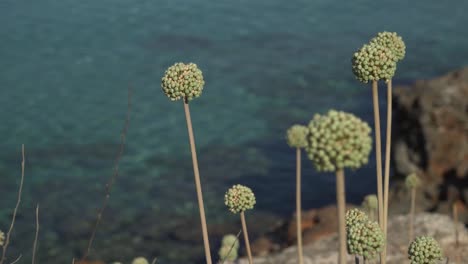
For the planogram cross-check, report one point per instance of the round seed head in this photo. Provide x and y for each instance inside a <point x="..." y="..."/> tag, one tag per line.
<point x="140" y="260"/>
<point x="370" y="202"/>
<point x="229" y="240"/>
<point x="365" y="238"/>
<point x="226" y="253"/>
<point x="424" y="250"/>
<point x="297" y="136"/>
<point x="392" y="41"/>
<point x="338" y="140"/>
<point x="239" y="198"/>
<point x="2" y="238"/>
<point x="354" y="216"/>
<point x="374" y="62"/>
<point x="412" y="181"/>
<point x="182" y="81"/>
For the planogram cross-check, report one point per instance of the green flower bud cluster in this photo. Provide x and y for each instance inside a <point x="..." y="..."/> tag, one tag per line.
<point x="370" y="202"/>
<point x="374" y="62"/>
<point x="338" y="140"/>
<point x="140" y="260"/>
<point x="377" y="59"/>
<point x="297" y="136"/>
<point x="424" y="250"/>
<point x="229" y="248"/>
<point x="239" y="198"/>
<point x="183" y="81"/>
<point x="2" y="238"/>
<point x="412" y="181"/>
<point x="392" y="41"/>
<point x="354" y="216"/>
<point x="365" y="238"/>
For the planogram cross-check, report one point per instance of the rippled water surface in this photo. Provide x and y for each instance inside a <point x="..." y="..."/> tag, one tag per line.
<point x="65" y="67"/>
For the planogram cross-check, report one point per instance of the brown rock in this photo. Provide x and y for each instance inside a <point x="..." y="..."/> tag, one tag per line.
<point x="316" y="224"/>
<point x="430" y="137"/>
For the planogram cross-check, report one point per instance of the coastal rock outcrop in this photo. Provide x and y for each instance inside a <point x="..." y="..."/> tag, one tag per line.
<point x="439" y="226"/>
<point x="430" y="137"/>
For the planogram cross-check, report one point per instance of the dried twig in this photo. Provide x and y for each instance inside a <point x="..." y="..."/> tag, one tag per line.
<point x="18" y="201"/>
<point x="17" y="259"/>
<point x="112" y="178"/>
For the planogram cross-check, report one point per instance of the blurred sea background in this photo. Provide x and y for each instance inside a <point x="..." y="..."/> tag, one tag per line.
<point x="65" y="67"/>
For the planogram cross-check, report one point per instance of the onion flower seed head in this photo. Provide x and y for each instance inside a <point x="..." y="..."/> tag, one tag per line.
<point x="297" y="136"/>
<point x="140" y="260"/>
<point x="183" y="81"/>
<point x="2" y="238"/>
<point x="226" y="253"/>
<point x="365" y="238"/>
<point x="239" y="198"/>
<point x="354" y="216"/>
<point x="370" y="202"/>
<point x="338" y="140"/>
<point x="412" y="181"/>
<point x="392" y="41"/>
<point x="424" y="250"/>
<point x="374" y="62"/>
<point x="229" y="240"/>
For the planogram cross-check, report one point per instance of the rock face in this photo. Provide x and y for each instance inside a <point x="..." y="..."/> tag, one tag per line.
<point x="324" y="251"/>
<point x="316" y="224"/>
<point x="430" y="137"/>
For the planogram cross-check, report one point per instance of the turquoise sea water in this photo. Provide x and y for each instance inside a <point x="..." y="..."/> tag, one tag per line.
<point x="65" y="67"/>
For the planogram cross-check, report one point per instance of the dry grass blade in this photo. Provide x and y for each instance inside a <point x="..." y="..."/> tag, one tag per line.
<point x="232" y="246"/>
<point x="17" y="259"/>
<point x="112" y="178"/>
<point x="36" y="236"/>
<point x="18" y="201"/>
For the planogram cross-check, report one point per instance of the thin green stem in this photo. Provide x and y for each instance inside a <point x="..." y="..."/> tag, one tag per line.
<point x="197" y="183"/>
<point x="378" y="150"/>
<point x="246" y="237"/>
<point x="341" y="200"/>
<point x="413" y="205"/>
<point x="388" y="145"/>
<point x="298" y="206"/>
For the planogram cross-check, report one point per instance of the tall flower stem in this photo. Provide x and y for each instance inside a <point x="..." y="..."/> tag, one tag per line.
<point x="388" y="143"/>
<point x="340" y="198"/>
<point x="413" y="205"/>
<point x="197" y="183"/>
<point x="457" y="241"/>
<point x="246" y="237"/>
<point x="298" y="206"/>
<point x="378" y="150"/>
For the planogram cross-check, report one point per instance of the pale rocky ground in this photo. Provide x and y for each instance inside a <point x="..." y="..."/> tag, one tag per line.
<point x="324" y="251"/>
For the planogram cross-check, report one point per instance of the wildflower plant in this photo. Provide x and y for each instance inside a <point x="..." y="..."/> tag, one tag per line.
<point x="354" y="216"/>
<point x="238" y="199"/>
<point x="2" y="238"/>
<point x="412" y="181"/>
<point x="376" y="61"/>
<point x="365" y="238"/>
<point x="370" y="204"/>
<point x="296" y="137"/>
<point x="424" y="250"/>
<point x="336" y="141"/>
<point x="185" y="81"/>
<point x="229" y="248"/>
